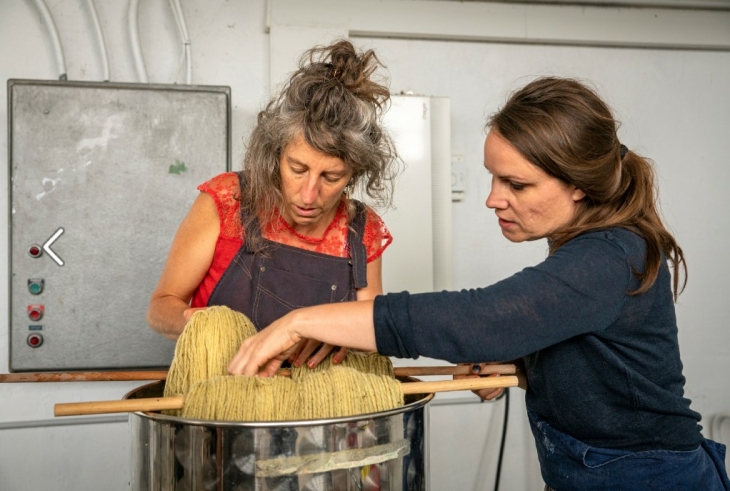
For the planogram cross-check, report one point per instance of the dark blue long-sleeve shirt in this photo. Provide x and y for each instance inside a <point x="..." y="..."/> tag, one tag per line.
<point x="602" y="365"/>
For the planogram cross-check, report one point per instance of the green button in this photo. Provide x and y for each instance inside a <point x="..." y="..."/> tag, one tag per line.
<point x="35" y="287"/>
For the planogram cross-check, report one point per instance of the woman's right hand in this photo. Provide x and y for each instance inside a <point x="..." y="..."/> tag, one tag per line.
<point x="190" y="257"/>
<point x="188" y="313"/>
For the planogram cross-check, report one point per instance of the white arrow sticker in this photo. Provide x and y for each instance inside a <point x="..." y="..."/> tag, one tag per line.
<point x="49" y="243"/>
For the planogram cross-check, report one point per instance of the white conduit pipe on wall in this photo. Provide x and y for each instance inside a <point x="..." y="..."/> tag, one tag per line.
<point x="55" y="39"/>
<point x="45" y="423"/>
<point x="186" y="51"/>
<point x="720" y="431"/>
<point x="716" y="429"/>
<point x="183" y="52"/>
<point x="134" y="39"/>
<point x="100" y="39"/>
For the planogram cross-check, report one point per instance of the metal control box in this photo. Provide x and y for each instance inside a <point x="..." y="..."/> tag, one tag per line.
<point x="101" y="174"/>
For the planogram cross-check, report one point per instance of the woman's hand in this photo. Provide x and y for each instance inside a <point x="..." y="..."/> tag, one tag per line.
<point x="484" y="394"/>
<point x="263" y="353"/>
<point x="338" y="324"/>
<point x="188" y="313"/>
<point x="309" y="346"/>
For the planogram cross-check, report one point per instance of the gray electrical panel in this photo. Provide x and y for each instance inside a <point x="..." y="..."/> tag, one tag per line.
<point x="101" y="174"/>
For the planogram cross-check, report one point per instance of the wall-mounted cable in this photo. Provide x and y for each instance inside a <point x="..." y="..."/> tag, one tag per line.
<point x="503" y="439"/>
<point x="134" y="39"/>
<point x="55" y="39"/>
<point x="100" y="39"/>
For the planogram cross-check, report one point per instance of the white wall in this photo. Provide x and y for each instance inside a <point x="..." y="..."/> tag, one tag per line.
<point x="675" y="109"/>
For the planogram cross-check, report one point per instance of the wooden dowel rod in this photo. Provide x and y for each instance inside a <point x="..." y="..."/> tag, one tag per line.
<point x="122" y="406"/>
<point x="161" y="403"/>
<point x="285" y="372"/>
<point x="82" y="376"/>
<point x="462" y="384"/>
<point x="453" y="370"/>
<point x="438" y="370"/>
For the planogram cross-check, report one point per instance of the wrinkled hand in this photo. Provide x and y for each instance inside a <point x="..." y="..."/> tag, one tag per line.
<point x="263" y="353"/>
<point x="308" y="346"/>
<point x="484" y="394"/>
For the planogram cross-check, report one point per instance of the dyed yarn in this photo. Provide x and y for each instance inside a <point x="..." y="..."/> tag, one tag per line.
<point x="206" y="346"/>
<point x="359" y="360"/>
<point x="336" y="392"/>
<point x="242" y="398"/>
<point x="362" y="383"/>
<point x="343" y="391"/>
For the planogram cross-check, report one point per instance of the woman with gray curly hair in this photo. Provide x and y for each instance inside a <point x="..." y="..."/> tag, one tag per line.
<point x="283" y="233"/>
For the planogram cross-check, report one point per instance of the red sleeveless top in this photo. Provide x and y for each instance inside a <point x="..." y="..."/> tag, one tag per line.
<point x="224" y="189"/>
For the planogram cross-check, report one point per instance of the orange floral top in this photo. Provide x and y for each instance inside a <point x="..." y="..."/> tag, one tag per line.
<point x="224" y="189"/>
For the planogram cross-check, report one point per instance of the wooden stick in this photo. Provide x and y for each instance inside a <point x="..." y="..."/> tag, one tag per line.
<point x="285" y="372"/>
<point x="122" y="406"/>
<point x="462" y="384"/>
<point x="438" y="370"/>
<point x="454" y="370"/>
<point x="83" y="376"/>
<point x="160" y="403"/>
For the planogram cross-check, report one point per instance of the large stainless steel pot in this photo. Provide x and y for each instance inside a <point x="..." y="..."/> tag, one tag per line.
<point x="385" y="451"/>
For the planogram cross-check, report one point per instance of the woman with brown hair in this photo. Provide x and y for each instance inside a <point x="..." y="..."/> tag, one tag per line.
<point x="594" y="324"/>
<point x="283" y="233"/>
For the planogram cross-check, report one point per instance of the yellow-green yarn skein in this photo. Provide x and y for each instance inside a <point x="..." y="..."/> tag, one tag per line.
<point x="362" y="383"/>
<point x="367" y="362"/>
<point x="206" y="346"/>
<point x="336" y="392"/>
<point x="241" y="398"/>
<point x="342" y="391"/>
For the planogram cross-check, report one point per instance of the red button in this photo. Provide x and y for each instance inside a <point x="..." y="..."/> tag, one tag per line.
<point x="35" y="340"/>
<point x="35" y="251"/>
<point x="35" y="312"/>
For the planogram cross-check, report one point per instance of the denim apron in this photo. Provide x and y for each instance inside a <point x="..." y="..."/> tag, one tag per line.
<point x="265" y="285"/>
<point x="568" y="464"/>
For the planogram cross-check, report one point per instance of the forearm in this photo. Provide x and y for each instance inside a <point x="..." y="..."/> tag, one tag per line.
<point x="190" y="257"/>
<point x="348" y="324"/>
<point x="165" y="316"/>
<point x="313" y="352"/>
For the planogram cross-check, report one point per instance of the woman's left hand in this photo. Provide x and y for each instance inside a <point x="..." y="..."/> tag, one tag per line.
<point x="484" y="394"/>
<point x="339" y="324"/>
<point x="309" y="346"/>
